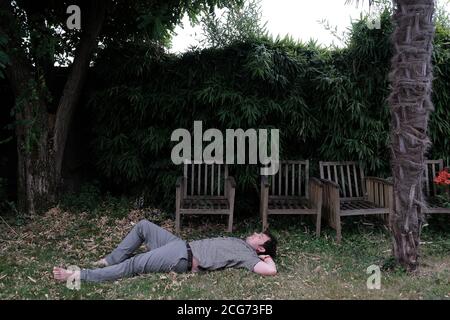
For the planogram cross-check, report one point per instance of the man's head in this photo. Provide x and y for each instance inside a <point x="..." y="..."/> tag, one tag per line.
<point x="263" y="243"/>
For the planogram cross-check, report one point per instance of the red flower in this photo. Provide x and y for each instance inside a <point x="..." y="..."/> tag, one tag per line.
<point x="443" y="177"/>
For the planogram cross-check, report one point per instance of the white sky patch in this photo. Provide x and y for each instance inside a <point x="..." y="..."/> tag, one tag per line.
<point x="297" y="18"/>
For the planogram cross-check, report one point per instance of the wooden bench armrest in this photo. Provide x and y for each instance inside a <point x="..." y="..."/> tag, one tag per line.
<point x="230" y="186"/>
<point x="315" y="192"/>
<point x="316" y="181"/>
<point x="329" y="184"/>
<point x="331" y="199"/>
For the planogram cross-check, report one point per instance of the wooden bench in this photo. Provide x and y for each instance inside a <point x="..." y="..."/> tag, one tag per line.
<point x="431" y="190"/>
<point x="291" y="191"/>
<point x="348" y="192"/>
<point x="205" y="189"/>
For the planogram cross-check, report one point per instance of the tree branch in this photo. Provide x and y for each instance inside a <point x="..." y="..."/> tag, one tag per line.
<point x="19" y="70"/>
<point x="95" y="16"/>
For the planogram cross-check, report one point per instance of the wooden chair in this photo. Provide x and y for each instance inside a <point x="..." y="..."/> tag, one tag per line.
<point x="291" y="191"/>
<point x="205" y="189"/>
<point x="348" y="192"/>
<point x="430" y="189"/>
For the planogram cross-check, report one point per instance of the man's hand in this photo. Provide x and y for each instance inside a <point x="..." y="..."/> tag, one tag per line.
<point x="266" y="267"/>
<point x="263" y="257"/>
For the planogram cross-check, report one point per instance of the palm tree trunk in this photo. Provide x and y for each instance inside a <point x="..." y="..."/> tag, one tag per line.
<point x="410" y="106"/>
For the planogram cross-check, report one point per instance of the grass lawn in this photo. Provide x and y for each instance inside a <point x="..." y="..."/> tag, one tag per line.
<point x="309" y="268"/>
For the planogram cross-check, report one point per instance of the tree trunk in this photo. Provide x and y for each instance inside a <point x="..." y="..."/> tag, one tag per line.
<point x="41" y="136"/>
<point x="410" y="105"/>
<point x="36" y="177"/>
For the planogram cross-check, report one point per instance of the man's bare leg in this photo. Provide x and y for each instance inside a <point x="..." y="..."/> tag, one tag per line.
<point x="62" y="274"/>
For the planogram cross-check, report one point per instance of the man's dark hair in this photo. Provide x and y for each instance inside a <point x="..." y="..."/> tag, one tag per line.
<point x="270" y="245"/>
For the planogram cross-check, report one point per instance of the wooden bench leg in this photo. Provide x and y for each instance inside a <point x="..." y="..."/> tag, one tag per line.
<point x="318" y="223"/>
<point x="177" y="217"/>
<point x="230" y="221"/>
<point x="264" y="219"/>
<point x="335" y="222"/>
<point x="178" y="197"/>
<point x="338" y="229"/>
<point x="177" y="222"/>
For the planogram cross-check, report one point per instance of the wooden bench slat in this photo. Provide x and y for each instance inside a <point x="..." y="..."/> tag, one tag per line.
<point x="212" y="179"/>
<point x="219" y="183"/>
<point x="307" y="180"/>
<point x="300" y="179"/>
<point x="293" y="179"/>
<point x="355" y="178"/>
<point x="185" y="173"/>
<point x="192" y="179"/>
<point x="279" y="179"/>
<point x="349" y="182"/>
<point x="344" y="190"/>
<point x="288" y="203"/>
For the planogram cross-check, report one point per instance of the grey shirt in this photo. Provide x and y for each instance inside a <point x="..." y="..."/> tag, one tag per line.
<point x="224" y="252"/>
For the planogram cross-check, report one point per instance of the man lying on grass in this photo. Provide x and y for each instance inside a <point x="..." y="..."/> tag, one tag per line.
<point x="169" y="253"/>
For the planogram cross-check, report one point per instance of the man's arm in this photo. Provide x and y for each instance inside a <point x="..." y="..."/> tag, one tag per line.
<point x="266" y="267"/>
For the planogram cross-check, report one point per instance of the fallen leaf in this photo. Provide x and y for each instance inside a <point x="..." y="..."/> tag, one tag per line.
<point x="90" y="249"/>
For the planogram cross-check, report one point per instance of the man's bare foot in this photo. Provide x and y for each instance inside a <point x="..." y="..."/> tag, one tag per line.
<point x="100" y="263"/>
<point x="62" y="274"/>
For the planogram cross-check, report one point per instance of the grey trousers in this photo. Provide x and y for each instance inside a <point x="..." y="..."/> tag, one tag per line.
<point x="167" y="253"/>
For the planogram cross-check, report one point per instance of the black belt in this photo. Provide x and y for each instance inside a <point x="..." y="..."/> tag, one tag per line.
<point x="189" y="256"/>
